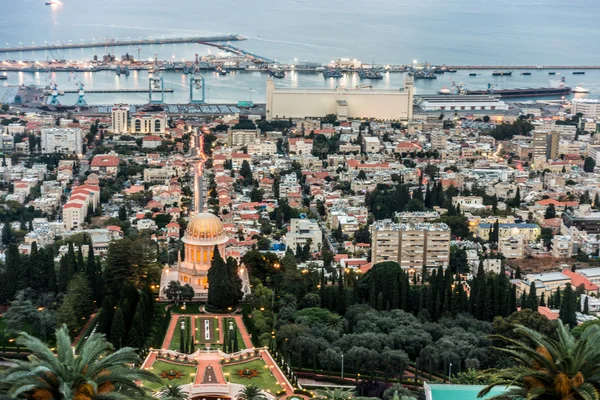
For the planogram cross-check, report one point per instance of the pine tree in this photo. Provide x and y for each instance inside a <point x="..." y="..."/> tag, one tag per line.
<point x="117" y="329"/>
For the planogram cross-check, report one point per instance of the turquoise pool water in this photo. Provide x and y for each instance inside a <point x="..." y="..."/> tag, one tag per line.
<point x="460" y="392"/>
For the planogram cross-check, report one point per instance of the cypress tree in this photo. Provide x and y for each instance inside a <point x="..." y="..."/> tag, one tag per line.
<point x="543" y="300"/>
<point x="379" y="301"/>
<point x="7" y="236"/>
<point x="586" y="306"/>
<point x="322" y="287"/>
<point x="488" y="308"/>
<point x="38" y="268"/>
<point x="63" y="275"/>
<point x="71" y="260"/>
<point x="117" y="329"/>
<point x="220" y="293"/>
<point x="341" y="296"/>
<point x="512" y="300"/>
<point x="568" y="307"/>
<point x="14" y="262"/>
<point x="532" y="300"/>
<point x="181" y="340"/>
<point x="235" y="340"/>
<point x="518" y="273"/>
<point x="50" y="270"/>
<point x="107" y="313"/>
<point x="80" y="261"/>
<point x="558" y="298"/>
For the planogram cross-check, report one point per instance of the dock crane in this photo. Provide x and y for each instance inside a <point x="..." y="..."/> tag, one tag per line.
<point x="460" y="87"/>
<point x="81" y="93"/>
<point x="54" y="99"/>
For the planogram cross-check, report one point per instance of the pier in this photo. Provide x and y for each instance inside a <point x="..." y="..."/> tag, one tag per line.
<point x="509" y="67"/>
<point x="133" y="42"/>
<point x="170" y="90"/>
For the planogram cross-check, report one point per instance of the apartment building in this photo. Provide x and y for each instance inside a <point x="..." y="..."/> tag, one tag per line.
<point x="300" y="231"/>
<point x="301" y="146"/>
<point x="590" y="108"/>
<point x="237" y="138"/>
<point x="61" y="140"/>
<point x="413" y="246"/>
<point x="511" y="247"/>
<point x="529" y="232"/>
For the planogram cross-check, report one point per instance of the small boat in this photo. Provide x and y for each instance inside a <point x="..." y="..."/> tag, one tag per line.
<point x="502" y="73"/>
<point x="332" y="73"/>
<point x="578" y="73"/>
<point x="3" y="77"/>
<point x="472" y="74"/>
<point x="445" y="91"/>
<point x="451" y="70"/>
<point x="276" y="74"/>
<point x="369" y="74"/>
<point x="526" y="73"/>
<point x="580" y="89"/>
<point x="551" y="73"/>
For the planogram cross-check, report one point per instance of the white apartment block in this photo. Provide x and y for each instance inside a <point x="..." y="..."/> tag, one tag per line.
<point x="511" y="247"/>
<point x="237" y="138"/>
<point x="562" y="246"/>
<point x="62" y="140"/>
<point x="120" y="118"/>
<point x="438" y="141"/>
<point x="413" y="246"/>
<point x="371" y="144"/>
<point x="588" y="107"/>
<point x="300" y="231"/>
<point x="300" y="146"/>
<point x="266" y="148"/>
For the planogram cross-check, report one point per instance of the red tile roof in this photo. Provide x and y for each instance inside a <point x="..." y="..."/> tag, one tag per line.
<point x="577" y="280"/>
<point x="105" y="161"/>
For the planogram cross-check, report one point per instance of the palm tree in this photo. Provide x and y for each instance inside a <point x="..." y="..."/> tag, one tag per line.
<point x="173" y="392"/>
<point x="250" y="392"/>
<point x="335" y="322"/>
<point x="566" y="368"/>
<point x="336" y="394"/>
<point x="96" y="372"/>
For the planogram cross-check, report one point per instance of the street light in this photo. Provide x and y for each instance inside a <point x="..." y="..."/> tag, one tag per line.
<point x="450" y="373"/>
<point x="342" y="365"/>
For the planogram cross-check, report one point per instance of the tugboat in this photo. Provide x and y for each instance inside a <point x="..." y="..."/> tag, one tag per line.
<point x="502" y="73"/>
<point x="126" y="71"/>
<point x="279" y="74"/>
<point x="118" y="70"/>
<point x="332" y="73"/>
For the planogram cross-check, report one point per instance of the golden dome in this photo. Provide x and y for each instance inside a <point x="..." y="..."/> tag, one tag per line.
<point x="204" y="228"/>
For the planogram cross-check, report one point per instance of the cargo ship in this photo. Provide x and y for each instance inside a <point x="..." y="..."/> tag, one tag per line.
<point x="526" y="92"/>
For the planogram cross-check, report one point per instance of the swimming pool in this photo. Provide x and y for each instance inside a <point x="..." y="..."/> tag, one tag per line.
<point x="458" y="392"/>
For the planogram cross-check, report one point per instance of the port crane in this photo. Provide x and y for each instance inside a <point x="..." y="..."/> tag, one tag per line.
<point x="460" y="87"/>
<point x="81" y="93"/>
<point x="156" y="84"/>
<point x="196" y="89"/>
<point x="54" y="99"/>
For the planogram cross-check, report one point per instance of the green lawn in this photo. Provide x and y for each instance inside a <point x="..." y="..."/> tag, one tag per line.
<point x="174" y="345"/>
<point x="188" y="374"/>
<point x="240" y="340"/>
<point x="264" y="380"/>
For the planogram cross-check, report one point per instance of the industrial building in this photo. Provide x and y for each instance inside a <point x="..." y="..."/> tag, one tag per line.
<point x="359" y="102"/>
<point x="459" y="103"/>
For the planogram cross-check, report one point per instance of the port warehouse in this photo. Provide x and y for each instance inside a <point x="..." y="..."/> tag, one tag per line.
<point x="361" y="102"/>
<point x="459" y="103"/>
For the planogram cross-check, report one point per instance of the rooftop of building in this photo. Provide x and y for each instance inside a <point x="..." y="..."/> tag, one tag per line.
<point x="389" y="225"/>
